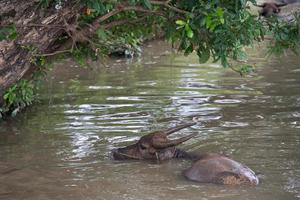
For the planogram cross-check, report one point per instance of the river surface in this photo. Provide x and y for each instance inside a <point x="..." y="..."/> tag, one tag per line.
<point x="59" y="148"/>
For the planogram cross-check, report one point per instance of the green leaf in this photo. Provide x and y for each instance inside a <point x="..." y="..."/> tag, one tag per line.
<point x="219" y="12"/>
<point x="180" y="22"/>
<point x="222" y="20"/>
<point x="203" y="54"/>
<point x="8" y="33"/>
<point x="190" y="33"/>
<point x="241" y="55"/>
<point x="208" y="22"/>
<point x="101" y="34"/>
<point x="5" y="97"/>
<point x="96" y="5"/>
<point x="246" y="69"/>
<point x="147" y="4"/>
<point x="188" y="50"/>
<point x="44" y="3"/>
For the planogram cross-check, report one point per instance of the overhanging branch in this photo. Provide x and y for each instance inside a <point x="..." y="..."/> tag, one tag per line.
<point x="96" y="24"/>
<point x="83" y="34"/>
<point x="167" y="4"/>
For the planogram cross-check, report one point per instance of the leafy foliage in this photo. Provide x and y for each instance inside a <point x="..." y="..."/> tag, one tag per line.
<point x="8" y="32"/>
<point x="23" y="93"/>
<point x="18" y="96"/>
<point x="218" y="30"/>
<point x="221" y="30"/>
<point x="286" y="35"/>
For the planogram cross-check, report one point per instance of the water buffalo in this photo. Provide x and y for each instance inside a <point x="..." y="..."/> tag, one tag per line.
<point x="207" y="168"/>
<point x="270" y="8"/>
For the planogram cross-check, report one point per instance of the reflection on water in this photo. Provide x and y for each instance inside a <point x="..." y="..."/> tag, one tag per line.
<point x="59" y="149"/>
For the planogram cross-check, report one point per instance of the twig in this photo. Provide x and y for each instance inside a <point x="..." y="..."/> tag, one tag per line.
<point x="41" y="25"/>
<point x="235" y="70"/>
<point x="55" y="52"/>
<point x="166" y="4"/>
<point x="96" y="23"/>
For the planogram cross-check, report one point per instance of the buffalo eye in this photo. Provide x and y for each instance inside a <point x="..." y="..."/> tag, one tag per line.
<point x="143" y="147"/>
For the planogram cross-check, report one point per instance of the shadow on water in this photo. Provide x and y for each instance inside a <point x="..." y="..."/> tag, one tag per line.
<point x="59" y="149"/>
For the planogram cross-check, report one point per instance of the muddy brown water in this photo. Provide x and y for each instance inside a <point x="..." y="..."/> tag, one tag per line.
<point x="59" y="148"/>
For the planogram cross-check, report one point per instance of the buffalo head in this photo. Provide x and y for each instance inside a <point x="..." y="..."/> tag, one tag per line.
<point x="269" y="9"/>
<point x="154" y="146"/>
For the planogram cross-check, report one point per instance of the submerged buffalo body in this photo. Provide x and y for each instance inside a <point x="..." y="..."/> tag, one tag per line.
<point x="207" y="168"/>
<point x="215" y="168"/>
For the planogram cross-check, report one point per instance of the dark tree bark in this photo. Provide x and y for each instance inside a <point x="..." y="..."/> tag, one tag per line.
<point x="36" y="28"/>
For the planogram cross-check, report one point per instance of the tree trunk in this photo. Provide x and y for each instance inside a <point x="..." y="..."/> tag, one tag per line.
<point x="37" y="32"/>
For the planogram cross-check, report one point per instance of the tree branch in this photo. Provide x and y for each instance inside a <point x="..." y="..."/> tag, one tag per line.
<point x="96" y="24"/>
<point x="90" y="29"/>
<point x="166" y="4"/>
<point x="55" y="52"/>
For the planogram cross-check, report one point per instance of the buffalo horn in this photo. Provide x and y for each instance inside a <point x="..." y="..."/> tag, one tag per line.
<point x="278" y="5"/>
<point x="171" y="143"/>
<point x="177" y="128"/>
<point x="260" y="5"/>
<point x="281" y="5"/>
